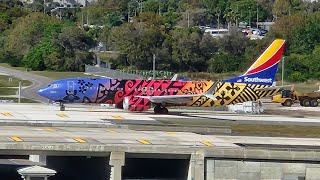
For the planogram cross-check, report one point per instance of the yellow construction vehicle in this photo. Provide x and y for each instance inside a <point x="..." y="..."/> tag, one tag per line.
<point x="288" y="97"/>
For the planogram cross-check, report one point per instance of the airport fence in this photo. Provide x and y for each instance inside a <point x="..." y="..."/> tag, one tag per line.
<point x="126" y="74"/>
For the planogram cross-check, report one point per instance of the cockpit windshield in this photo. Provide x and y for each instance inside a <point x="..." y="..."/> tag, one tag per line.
<point x="53" y="85"/>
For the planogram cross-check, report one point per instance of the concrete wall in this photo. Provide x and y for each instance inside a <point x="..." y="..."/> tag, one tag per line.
<point x="250" y="170"/>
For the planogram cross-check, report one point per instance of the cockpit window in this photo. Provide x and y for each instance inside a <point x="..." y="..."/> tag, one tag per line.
<point x="53" y="85"/>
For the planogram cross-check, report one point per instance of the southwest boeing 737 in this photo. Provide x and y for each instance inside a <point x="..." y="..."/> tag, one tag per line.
<point x="141" y="95"/>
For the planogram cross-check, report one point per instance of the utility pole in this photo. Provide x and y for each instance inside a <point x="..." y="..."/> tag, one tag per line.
<point x="19" y="99"/>
<point x="60" y="13"/>
<point x="282" y="70"/>
<point x="218" y="14"/>
<point x="154" y="66"/>
<point x="128" y="13"/>
<point x="81" y="19"/>
<point x="250" y="16"/>
<point x="159" y="8"/>
<point x="257" y="15"/>
<point x="188" y="17"/>
<point x="44" y="6"/>
<point x="88" y="17"/>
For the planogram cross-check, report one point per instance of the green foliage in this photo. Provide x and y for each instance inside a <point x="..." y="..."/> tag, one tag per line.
<point x="113" y="19"/>
<point x="286" y="25"/>
<point x="35" y="57"/>
<point x="315" y="63"/>
<point x="306" y="37"/>
<point x="151" y="6"/>
<point x="28" y="31"/>
<point x="10" y="58"/>
<point x="78" y="61"/>
<point x="296" y="66"/>
<point x="186" y="52"/>
<point x="223" y="62"/>
<point x="40" y="42"/>
<point x="139" y="40"/>
<point x="281" y="7"/>
<point x="296" y="76"/>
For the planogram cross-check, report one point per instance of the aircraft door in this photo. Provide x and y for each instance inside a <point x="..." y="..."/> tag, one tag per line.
<point x="70" y="86"/>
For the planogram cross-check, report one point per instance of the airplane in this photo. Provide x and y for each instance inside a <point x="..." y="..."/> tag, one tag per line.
<point x="141" y="95"/>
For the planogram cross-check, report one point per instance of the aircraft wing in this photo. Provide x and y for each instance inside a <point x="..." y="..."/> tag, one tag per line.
<point x="171" y="99"/>
<point x="274" y="87"/>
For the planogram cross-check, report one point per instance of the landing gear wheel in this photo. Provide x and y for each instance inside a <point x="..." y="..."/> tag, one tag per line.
<point x="164" y="110"/>
<point x="288" y="103"/>
<point x="157" y="109"/>
<point x="282" y="104"/>
<point x="62" y="107"/>
<point x="314" y="103"/>
<point x="306" y="102"/>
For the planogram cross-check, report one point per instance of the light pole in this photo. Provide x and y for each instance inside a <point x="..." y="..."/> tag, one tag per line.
<point x="159" y="7"/>
<point x="141" y="6"/>
<point x="282" y="71"/>
<point x="44" y="6"/>
<point x="154" y="66"/>
<point x="250" y="16"/>
<point x="128" y="13"/>
<point x="257" y="15"/>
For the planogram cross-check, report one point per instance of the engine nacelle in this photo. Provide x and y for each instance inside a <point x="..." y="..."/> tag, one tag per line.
<point x="133" y="103"/>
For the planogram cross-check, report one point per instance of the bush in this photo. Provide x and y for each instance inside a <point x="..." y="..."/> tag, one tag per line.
<point x="296" y="76"/>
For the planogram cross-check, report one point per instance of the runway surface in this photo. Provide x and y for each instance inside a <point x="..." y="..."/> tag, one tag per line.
<point x="86" y="114"/>
<point x="81" y="116"/>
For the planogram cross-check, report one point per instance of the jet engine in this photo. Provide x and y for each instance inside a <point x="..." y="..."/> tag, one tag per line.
<point x="133" y="103"/>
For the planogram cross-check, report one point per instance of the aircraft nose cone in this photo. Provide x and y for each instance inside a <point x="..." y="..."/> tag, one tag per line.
<point x="42" y="92"/>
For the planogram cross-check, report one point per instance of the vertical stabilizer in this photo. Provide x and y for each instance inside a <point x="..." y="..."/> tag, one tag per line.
<point x="264" y="69"/>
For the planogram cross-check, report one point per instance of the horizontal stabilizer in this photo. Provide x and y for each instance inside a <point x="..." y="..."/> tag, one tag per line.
<point x="275" y="87"/>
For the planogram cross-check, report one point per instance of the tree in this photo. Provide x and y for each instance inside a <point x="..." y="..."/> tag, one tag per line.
<point x="28" y="32"/>
<point x="306" y="36"/>
<point x="73" y="45"/>
<point x="186" y="53"/>
<point x="281" y="8"/>
<point x="139" y="40"/>
<point x="286" y="25"/>
<point x="35" y="57"/>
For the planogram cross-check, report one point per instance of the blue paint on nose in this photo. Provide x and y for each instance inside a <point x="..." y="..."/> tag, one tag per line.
<point x="43" y="92"/>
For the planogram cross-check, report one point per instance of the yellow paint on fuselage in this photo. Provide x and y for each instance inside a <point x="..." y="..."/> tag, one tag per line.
<point x="232" y="93"/>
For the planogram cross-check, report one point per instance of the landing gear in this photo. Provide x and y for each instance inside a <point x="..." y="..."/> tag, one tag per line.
<point x="62" y="107"/>
<point x="160" y="110"/>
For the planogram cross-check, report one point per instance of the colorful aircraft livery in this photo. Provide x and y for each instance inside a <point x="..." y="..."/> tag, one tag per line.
<point x="140" y="95"/>
<point x="263" y="70"/>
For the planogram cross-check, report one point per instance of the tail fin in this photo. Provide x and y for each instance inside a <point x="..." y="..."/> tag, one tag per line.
<point x="263" y="70"/>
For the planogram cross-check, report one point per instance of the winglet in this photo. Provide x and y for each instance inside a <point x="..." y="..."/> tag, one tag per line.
<point x="175" y="77"/>
<point x="210" y="92"/>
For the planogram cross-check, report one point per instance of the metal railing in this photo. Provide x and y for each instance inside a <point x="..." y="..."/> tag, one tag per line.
<point x="126" y="74"/>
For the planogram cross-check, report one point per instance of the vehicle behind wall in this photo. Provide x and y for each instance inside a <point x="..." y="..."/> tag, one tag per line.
<point x="288" y="97"/>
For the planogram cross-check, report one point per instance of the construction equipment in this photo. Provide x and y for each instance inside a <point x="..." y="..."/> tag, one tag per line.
<point x="288" y="97"/>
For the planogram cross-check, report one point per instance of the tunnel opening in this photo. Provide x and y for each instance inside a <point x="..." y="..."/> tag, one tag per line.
<point x="79" y="167"/>
<point x="10" y="172"/>
<point x="155" y="169"/>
